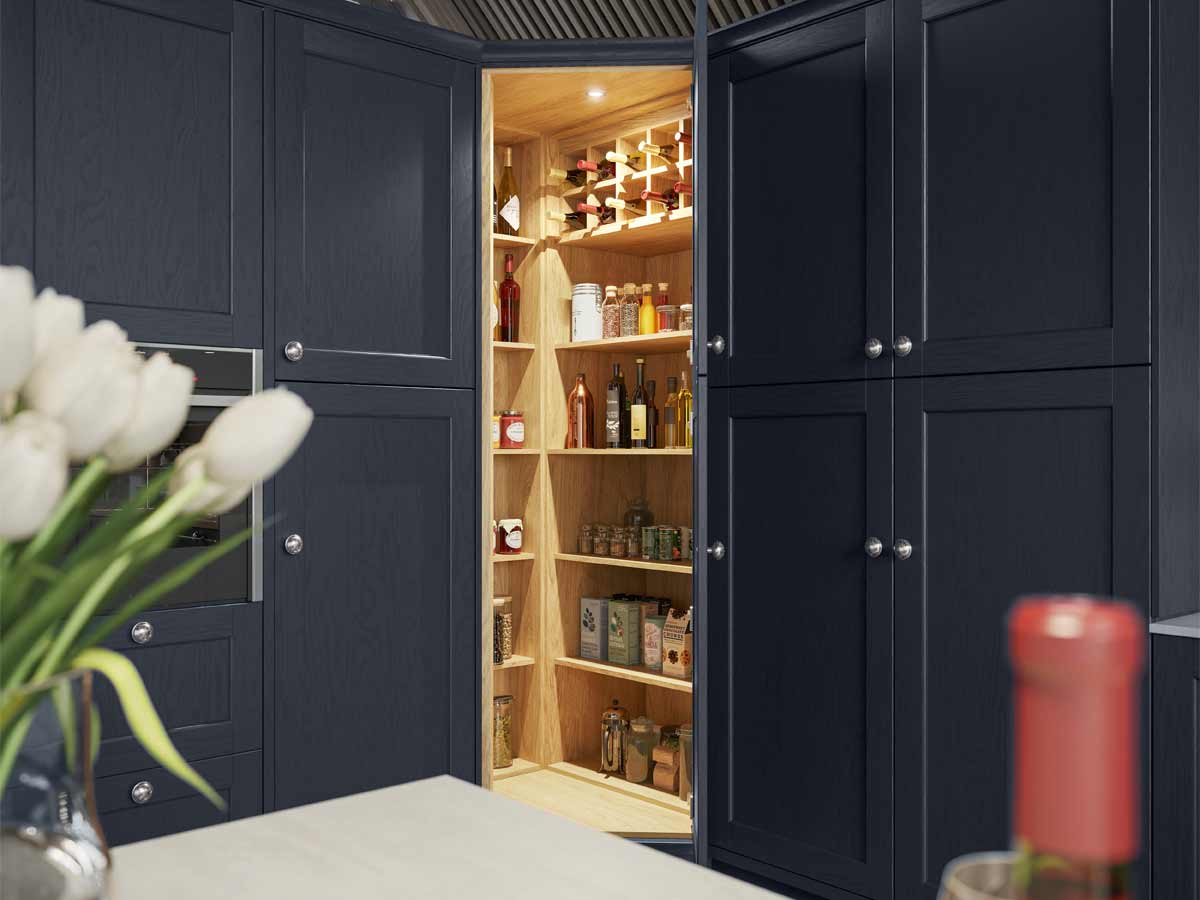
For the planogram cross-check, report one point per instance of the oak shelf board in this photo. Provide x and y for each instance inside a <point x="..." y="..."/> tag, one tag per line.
<point x="515" y="662"/>
<point x="662" y="342"/>
<point x="519" y="767"/>
<point x="511" y="557"/>
<point x="595" y="806"/>
<point x="512" y="240"/>
<point x="623" y="451"/>
<point x="653" y="235"/>
<point x="638" y="674"/>
<point x="518" y="451"/>
<point x="513" y="346"/>
<point x="677" y="568"/>
<point x="585" y="770"/>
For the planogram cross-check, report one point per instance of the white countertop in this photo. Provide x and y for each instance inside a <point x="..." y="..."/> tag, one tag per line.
<point x="1181" y="626"/>
<point x="438" y="838"/>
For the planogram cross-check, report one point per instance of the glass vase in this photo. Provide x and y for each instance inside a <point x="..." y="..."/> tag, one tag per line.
<point x="980" y="876"/>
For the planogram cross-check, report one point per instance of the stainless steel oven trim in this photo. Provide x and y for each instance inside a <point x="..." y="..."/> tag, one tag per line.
<point x="256" y="493"/>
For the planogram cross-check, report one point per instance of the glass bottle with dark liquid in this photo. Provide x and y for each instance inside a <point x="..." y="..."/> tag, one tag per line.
<point x="581" y="428"/>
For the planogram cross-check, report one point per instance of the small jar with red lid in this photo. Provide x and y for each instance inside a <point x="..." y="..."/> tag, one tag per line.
<point x="512" y="429"/>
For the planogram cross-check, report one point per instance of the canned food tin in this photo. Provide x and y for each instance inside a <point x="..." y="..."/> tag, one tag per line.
<point x="649" y="542"/>
<point x="668" y="543"/>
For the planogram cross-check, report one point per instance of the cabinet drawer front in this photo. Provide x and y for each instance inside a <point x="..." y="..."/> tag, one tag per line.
<point x="173" y="806"/>
<point x="375" y="216"/>
<point x="133" y="160"/>
<point x="203" y="670"/>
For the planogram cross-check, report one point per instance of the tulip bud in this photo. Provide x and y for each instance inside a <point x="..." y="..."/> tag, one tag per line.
<point x="89" y="384"/>
<point x="33" y="473"/>
<point x="190" y="466"/>
<point x="158" y="413"/>
<point x="252" y="439"/>
<point x="16" y="328"/>
<point x="55" y="319"/>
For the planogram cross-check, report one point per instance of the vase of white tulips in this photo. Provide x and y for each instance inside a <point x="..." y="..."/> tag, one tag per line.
<point x="82" y="397"/>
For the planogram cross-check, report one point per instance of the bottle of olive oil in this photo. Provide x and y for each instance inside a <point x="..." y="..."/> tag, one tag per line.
<point x="684" y="421"/>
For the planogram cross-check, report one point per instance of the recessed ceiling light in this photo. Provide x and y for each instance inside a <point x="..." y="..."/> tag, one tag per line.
<point x="595" y="93"/>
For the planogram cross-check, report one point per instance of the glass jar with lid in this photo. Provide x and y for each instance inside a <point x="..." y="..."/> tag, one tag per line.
<point x="616" y="542"/>
<point x="502" y="709"/>
<point x="643" y="738"/>
<point x="639" y="514"/>
<point x="601" y="535"/>
<point x="586" y="538"/>
<point x="502" y="629"/>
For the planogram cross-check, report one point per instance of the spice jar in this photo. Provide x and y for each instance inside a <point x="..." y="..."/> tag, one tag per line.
<point x="512" y="429"/>
<point x="502" y="755"/>
<point x="685" y="317"/>
<point x="668" y="317"/>
<point x="502" y="629"/>
<point x="601" y="535"/>
<point x="633" y="542"/>
<point x="586" y="535"/>
<point x="629" y="310"/>
<point x="509" y="536"/>
<point x="610" y="313"/>
<point x="616" y="543"/>
<point x="495" y="432"/>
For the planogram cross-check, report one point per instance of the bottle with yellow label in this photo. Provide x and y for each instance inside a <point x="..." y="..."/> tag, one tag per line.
<point x="637" y="408"/>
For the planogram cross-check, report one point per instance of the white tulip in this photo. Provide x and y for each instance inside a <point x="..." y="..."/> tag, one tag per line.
<point x="164" y="389"/>
<point x="190" y="466"/>
<point x="89" y="383"/>
<point x="33" y="473"/>
<point x="252" y="439"/>
<point x="16" y="328"/>
<point x="55" y="319"/>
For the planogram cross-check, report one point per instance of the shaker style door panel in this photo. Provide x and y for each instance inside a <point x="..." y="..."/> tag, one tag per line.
<point x="800" y="630"/>
<point x="376" y="618"/>
<point x="133" y="161"/>
<point x="203" y="669"/>
<point x="1175" y="804"/>
<point x="1005" y="485"/>
<point x="1035" y="186"/>
<point x="375" y="217"/>
<point x="800" y="209"/>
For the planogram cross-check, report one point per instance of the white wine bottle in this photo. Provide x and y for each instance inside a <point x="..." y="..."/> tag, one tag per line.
<point x="508" y="201"/>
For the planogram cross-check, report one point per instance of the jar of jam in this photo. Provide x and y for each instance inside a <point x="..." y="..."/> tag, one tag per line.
<point x="512" y="429"/>
<point x="509" y="534"/>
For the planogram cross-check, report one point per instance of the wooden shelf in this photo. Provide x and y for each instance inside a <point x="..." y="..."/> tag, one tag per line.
<point x="512" y="240"/>
<point x="663" y="342"/>
<point x="509" y="451"/>
<point x="604" y="451"/>
<point x="515" y="662"/>
<point x="518" y="767"/>
<point x="629" y="673"/>
<point x="585" y="770"/>
<point x="512" y="346"/>
<point x="678" y="568"/>
<point x="596" y="806"/>
<point x="653" y="235"/>
<point x="510" y="557"/>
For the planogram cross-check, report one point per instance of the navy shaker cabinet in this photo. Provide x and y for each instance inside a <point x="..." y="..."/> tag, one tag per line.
<point x="132" y="157"/>
<point x="1175" y="742"/>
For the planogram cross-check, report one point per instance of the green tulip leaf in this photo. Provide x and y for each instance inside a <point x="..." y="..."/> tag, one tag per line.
<point x="64" y="706"/>
<point x="143" y="720"/>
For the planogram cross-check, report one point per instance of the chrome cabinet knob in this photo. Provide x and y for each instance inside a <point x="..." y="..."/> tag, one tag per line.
<point x="141" y="633"/>
<point x="717" y="345"/>
<point x="294" y="351"/>
<point x="293" y="544"/>
<point x="903" y="345"/>
<point x="716" y="550"/>
<point x="903" y="549"/>
<point x="874" y="547"/>
<point x="142" y="792"/>
<point x="873" y="348"/>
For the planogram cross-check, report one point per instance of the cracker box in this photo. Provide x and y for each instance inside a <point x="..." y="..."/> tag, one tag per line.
<point x="677" y="644"/>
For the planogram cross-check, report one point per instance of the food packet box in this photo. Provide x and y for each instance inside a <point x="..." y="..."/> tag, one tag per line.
<point x="624" y="632"/>
<point x="593" y="628"/>
<point x="677" y="644"/>
<point x="652" y="635"/>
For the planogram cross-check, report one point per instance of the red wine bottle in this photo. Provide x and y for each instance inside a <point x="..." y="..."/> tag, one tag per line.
<point x="639" y="419"/>
<point x="576" y="221"/>
<point x="1077" y="665"/>
<point x="603" y="213"/>
<point x="682" y="137"/>
<point x="668" y="198"/>
<point x="510" y="303"/>
<point x="604" y="169"/>
<point x="575" y="177"/>
<point x="668" y="152"/>
<point x="683" y="187"/>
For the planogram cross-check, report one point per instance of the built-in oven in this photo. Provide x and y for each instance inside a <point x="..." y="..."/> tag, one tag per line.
<point x="222" y="377"/>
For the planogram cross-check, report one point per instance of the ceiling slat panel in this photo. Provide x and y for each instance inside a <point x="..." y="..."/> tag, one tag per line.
<point x="480" y="27"/>
<point x="553" y="11"/>
<point x="579" y="21"/>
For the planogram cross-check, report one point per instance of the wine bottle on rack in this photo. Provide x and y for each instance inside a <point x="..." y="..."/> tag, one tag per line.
<point x="633" y="160"/>
<point x="682" y="137"/>
<point x="576" y="221"/>
<point x="508" y="219"/>
<point x="603" y="213"/>
<point x="637" y="408"/>
<point x="574" y="177"/>
<point x="636" y="209"/>
<point x="664" y="151"/>
<point x="604" y="169"/>
<point x="668" y="198"/>
<point x="683" y="187"/>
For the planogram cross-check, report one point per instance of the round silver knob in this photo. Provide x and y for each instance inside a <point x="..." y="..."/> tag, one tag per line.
<point x="141" y="633"/>
<point x="902" y="549"/>
<point x="293" y="544"/>
<point x="294" y="351"/>
<point x="717" y="550"/>
<point x="142" y="792"/>
<point x="717" y="345"/>
<point x="903" y="345"/>
<point x="873" y="348"/>
<point x="874" y="547"/>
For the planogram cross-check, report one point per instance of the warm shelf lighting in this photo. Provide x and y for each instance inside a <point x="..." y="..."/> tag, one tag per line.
<point x="595" y="93"/>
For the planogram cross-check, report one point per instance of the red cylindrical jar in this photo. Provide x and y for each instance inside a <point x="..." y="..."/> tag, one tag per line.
<point x="512" y="429"/>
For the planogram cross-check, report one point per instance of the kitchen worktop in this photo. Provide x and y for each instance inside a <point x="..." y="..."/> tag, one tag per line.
<point x="1181" y="626"/>
<point x="428" y="839"/>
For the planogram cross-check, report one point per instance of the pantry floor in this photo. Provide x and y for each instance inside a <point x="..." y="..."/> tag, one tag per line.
<point x="578" y="792"/>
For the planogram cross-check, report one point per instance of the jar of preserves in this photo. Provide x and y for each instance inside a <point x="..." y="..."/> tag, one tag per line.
<point x="512" y="429"/>
<point x="502" y="709"/>
<point x="616" y="543"/>
<point x="600" y="539"/>
<point x="586" y="539"/>
<point x="509" y="536"/>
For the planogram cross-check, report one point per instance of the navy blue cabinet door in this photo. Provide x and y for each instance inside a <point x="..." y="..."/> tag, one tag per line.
<point x="800" y="655"/>
<point x="800" y="206"/>
<point x="376" y="620"/>
<point x="203" y="669"/>
<point x="1175" y="810"/>
<point x="1004" y="485"/>
<point x="375" y="216"/>
<point x="1023" y="208"/>
<point x="132" y="157"/>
